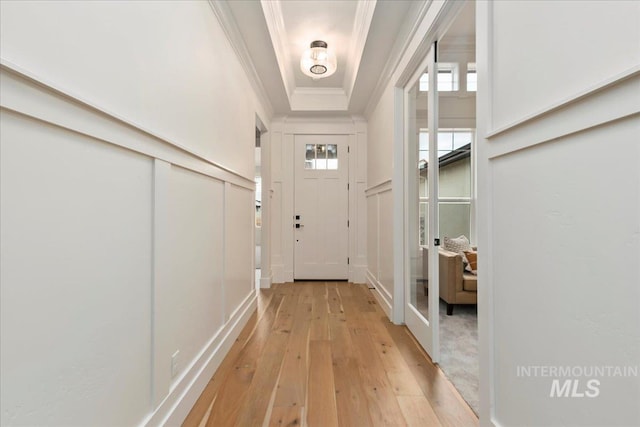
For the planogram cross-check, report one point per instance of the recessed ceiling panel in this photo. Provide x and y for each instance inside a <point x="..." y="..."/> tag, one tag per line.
<point x="309" y="20"/>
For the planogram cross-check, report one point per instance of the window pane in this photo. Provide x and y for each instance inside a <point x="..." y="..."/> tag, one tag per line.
<point x="445" y="141"/>
<point x="454" y="219"/>
<point x="424" y="141"/>
<point x="460" y="139"/>
<point x="423" y="156"/>
<point x="445" y="81"/>
<point x="472" y="77"/>
<point x="309" y="159"/>
<point x="424" y="184"/>
<point x="321" y="156"/>
<point x="455" y="179"/>
<point x="424" y="223"/>
<point x="424" y="83"/>
<point x="332" y="156"/>
<point x="448" y="76"/>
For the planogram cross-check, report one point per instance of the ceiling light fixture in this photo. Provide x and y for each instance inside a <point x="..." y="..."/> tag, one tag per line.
<point x="317" y="62"/>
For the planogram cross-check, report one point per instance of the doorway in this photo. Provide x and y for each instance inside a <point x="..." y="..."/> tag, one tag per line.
<point x="258" y="209"/>
<point x="440" y="233"/>
<point x="321" y="207"/>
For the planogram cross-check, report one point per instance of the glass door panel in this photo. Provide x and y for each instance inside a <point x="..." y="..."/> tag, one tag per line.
<point x="421" y="215"/>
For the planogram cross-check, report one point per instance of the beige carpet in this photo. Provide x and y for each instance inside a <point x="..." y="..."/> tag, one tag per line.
<point x="458" y="348"/>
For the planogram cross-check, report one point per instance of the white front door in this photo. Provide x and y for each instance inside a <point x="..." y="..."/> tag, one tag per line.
<point x="321" y="232"/>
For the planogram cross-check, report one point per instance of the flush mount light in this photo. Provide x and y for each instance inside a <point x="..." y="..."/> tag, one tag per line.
<point x="317" y="62"/>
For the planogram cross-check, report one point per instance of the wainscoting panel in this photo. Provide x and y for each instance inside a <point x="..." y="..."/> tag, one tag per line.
<point x="125" y="256"/>
<point x="238" y="262"/>
<point x="76" y="282"/>
<point x="380" y="243"/>
<point x="558" y="183"/>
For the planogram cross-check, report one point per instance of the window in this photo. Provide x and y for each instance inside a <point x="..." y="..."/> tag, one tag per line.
<point x="448" y="140"/>
<point x="447" y="78"/>
<point x="472" y="77"/>
<point x="455" y="182"/>
<point x="321" y="156"/>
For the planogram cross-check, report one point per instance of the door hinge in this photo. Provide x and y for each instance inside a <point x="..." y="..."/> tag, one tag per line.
<point x="347" y="260"/>
<point x="347" y="186"/>
<point x="347" y="223"/>
<point x="348" y="149"/>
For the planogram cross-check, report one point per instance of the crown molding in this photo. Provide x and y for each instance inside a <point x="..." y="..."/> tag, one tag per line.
<point x="319" y="99"/>
<point x="230" y="27"/>
<point x="332" y="99"/>
<point x="418" y="10"/>
<point x="458" y="44"/>
<point x="275" y="24"/>
<point x="361" y="26"/>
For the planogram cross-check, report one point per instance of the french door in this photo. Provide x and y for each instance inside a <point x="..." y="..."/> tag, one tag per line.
<point x="421" y="206"/>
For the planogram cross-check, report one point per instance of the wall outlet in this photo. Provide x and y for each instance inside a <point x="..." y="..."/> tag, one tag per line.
<point x="174" y="363"/>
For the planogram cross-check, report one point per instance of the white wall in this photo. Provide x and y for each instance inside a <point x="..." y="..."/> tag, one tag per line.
<point x="380" y="144"/>
<point x="380" y="163"/>
<point x="559" y="208"/>
<point x="126" y="209"/>
<point x="281" y="141"/>
<point x="385" y="163"/>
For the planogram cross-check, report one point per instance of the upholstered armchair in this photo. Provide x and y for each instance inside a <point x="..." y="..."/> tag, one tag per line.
<point x="457" y="286"/>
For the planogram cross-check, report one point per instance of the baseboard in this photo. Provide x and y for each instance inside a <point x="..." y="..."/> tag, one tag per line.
<point x="358" y="274"/>
<point x="265" y="282"/>
<point x="176" y="406"/>
<point x="278" y="273"/>
<point x="380" y="294"/>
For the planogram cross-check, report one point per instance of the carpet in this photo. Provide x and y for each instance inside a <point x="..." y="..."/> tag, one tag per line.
<point x="458" y="347"/>
<point x="459" y="351"/>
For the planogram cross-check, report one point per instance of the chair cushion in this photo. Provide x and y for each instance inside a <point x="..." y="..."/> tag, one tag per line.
<point x="470" y="259"/>
<point x="470" y="282"/>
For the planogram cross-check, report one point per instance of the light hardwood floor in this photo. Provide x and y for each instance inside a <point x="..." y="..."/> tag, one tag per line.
<point x="323" y="354"/>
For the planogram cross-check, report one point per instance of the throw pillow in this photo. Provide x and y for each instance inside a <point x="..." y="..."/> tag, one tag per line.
<point x="456" y="244"/>
<point x="472" y="261"/>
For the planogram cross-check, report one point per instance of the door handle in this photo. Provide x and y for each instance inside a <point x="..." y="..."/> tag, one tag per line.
<point x="299" y="225"/>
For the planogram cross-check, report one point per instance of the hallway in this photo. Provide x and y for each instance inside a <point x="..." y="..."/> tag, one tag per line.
<point x="324" y="354"/>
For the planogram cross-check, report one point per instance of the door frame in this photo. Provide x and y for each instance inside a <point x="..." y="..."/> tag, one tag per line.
<point x="282" y="134"/>
<point x="438" y="25"/>
<point x="425" y="329"/>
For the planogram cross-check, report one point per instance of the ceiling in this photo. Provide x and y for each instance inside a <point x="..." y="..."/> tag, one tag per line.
<point x="364" y="34"/>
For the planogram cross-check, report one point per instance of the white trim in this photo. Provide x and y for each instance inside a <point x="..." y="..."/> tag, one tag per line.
<point x="361" y="25"/>
<point x="275" y="24"/>
<point x="318" y="99"/>
<point x="230" y="28"/>
<point x="266" y="275"/>
<point x="399" y="208"/>
<point x="417" y="11"/>
<point x="265" y="282"/>
<point x="576" y="98"/>
<point x="378" y="188"/>
<point x="484" y="120"/>
<point x="29" y="95"/>
<point x="614" y="101"/>
<point x="176" y="406"/>
<point x="375" y="287"/>
<point x="431" y="27"/>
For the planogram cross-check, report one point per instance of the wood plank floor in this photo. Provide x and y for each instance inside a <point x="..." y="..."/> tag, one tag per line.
<point x="323" y="354"/>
